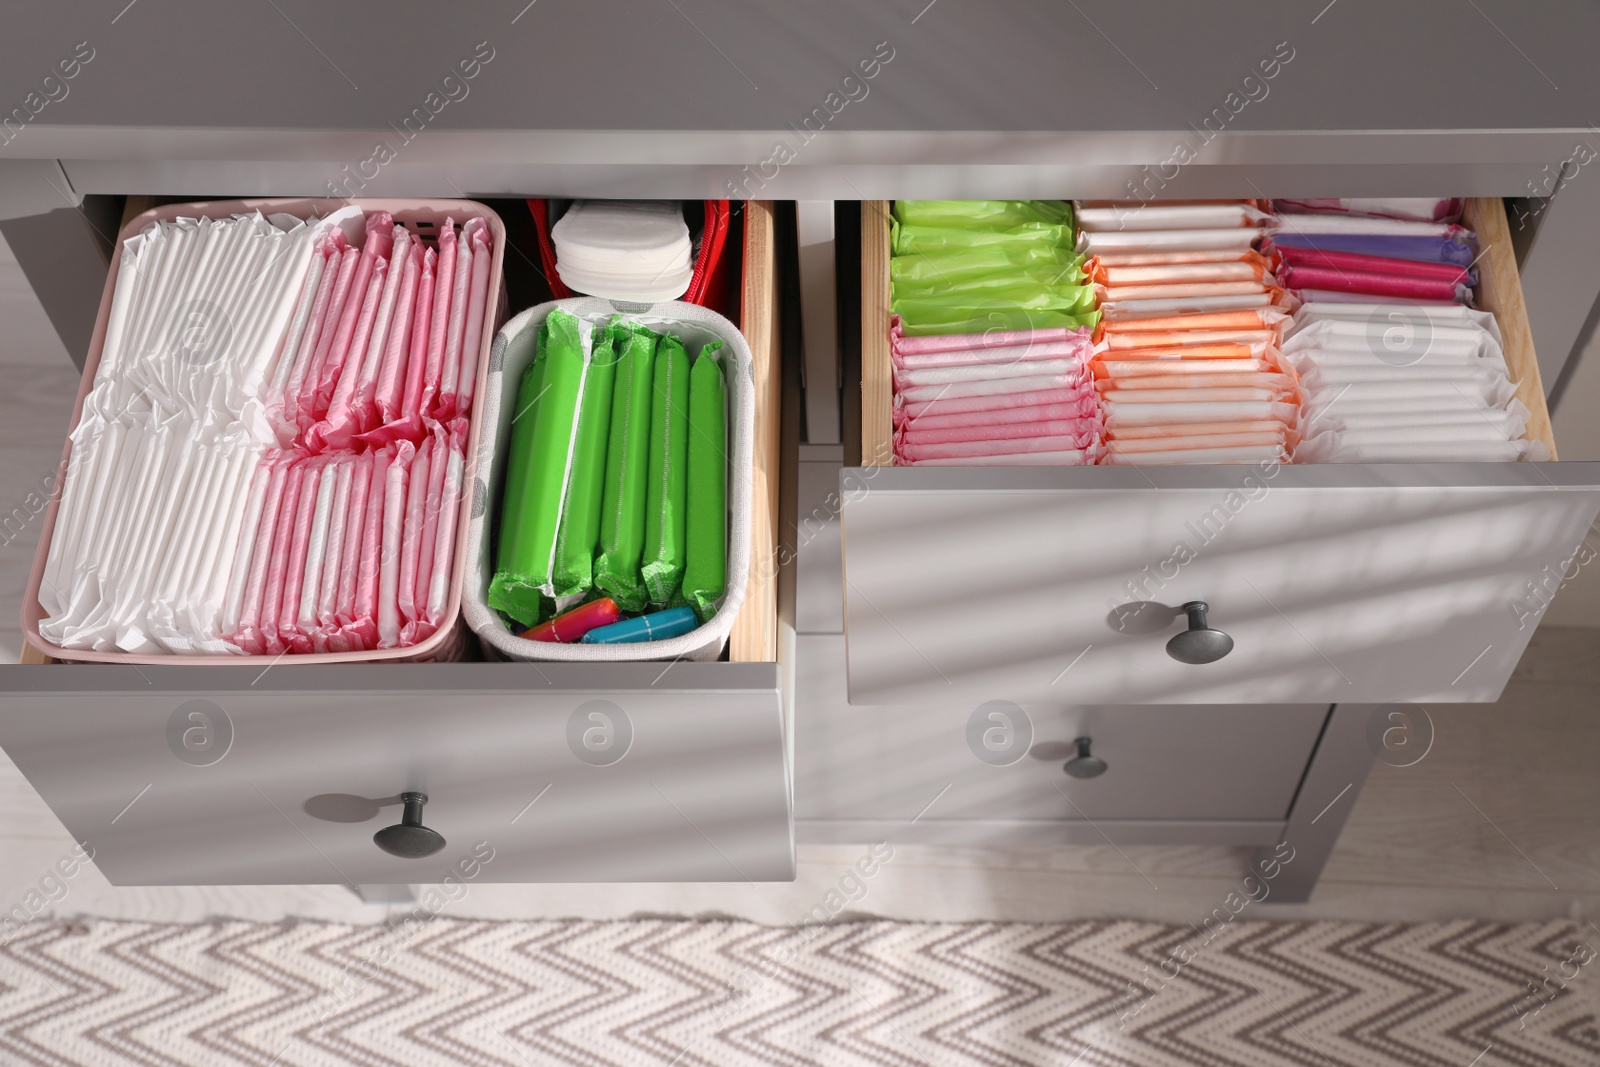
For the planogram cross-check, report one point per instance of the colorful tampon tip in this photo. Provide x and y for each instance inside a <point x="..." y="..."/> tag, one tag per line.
<point x="571" y="626"/>
<point x="657" y="626"/>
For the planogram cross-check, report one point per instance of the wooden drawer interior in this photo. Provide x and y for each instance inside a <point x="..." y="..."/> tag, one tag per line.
<point x="754" y="638"/>
<point x="1499" y="291"/>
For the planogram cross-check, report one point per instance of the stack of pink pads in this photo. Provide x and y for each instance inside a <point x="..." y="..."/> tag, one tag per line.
<point x="1002" y="398"/>
<point x="349" y="526"/>
<point x="1403" y="251"/>
<point x="1186" y="360"/>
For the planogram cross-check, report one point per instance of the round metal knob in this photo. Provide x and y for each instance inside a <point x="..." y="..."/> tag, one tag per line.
<point x="1084" y="765"/>
<point x="1199" y="643"/>
<point x="410" y="840"/>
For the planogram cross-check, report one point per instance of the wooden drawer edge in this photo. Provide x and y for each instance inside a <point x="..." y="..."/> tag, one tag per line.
<point x="1500" y="291"/>
<point x="877" y="370"/>
<point x="755" y="631"/>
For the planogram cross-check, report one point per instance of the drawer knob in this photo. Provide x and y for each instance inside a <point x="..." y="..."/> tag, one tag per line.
<point x="1084" y="765"/>
<point x="410" y="840"/>
<point x="1199" y="643"/>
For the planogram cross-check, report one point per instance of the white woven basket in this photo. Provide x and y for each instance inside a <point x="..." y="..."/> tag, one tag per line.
<point x="512" y="353"/>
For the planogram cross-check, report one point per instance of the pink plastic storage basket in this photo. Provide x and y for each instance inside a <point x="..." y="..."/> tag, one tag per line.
<point x="424" y="217"/>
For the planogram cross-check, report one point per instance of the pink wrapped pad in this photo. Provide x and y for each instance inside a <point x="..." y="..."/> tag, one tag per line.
<point x="394" y="305"/>
<point x="995" y="387"/>
<point x="449" y="510"/>
<point x="905" y="380"/>
<point x="362" y="630"/>
<point x="957" y="342"/>
<point x="440" y="443"/>
<point x="284" y="408"/>
<point x="339" y="636"/>
<point x="377" y="245"/>
<point x="278" y="562"/>
<point x="249" y="636"/>
<point x="305" y="401"/>
<point x="411" y="533"/>
<point x="477" y="319"/>
<point x="460" y="305"/>
<point x="338" y="426"/>
<point x="1069" y="458"/>
<point x="967" y="449"/>
<point x="392" y="374"/>
<point x="916" y="434"/>
<point x="994" y="417"/>
<point x="290" y="635"/>
<point x="1334" y="279"/>
<point x="393" y="550"/>
<point x="1080" y="397"/>
<point x="439" y="329"/>
<point x="421" y="333"/>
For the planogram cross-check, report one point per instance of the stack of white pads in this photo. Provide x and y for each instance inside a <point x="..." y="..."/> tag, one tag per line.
<point x="270" y="458"/>
<point x="1404" y="382"/>
<point x="633" y="250"/>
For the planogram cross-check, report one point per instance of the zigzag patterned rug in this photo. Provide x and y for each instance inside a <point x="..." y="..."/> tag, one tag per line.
<point x="847" y="994"/>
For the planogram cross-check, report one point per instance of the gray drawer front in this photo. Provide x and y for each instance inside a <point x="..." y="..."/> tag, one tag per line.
<point x="1183" y="763"/>
<point x="508" y="754"/>
<point x="1338" y="583"/>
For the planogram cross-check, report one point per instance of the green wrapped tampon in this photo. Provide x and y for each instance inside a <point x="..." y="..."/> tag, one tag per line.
<point x="664" y="497"/>
<point x="519" y="461"/>
<point x="530" y="509"/>
<point x="580" y="513"/>
<point x="616" y="568"/>
<point x="705" y="572"/>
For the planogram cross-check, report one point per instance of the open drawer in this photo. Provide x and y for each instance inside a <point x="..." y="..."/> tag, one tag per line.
<point x="268" y="772"/>
<point x="1338" y="583"/>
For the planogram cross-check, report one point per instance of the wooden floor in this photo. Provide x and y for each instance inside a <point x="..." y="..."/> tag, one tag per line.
<point x="1501" y="819"/>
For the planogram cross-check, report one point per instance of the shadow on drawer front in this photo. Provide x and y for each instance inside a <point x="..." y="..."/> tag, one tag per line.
<point x="1345" y="583"/>
<point x="533" y="773"/>
<point x="905" y="771"/>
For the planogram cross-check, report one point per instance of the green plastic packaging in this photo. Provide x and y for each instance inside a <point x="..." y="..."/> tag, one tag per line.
<point x="909" y="240"/>
<point x="1062" y="287"/>
<point x="983" y="214"/>
<point x="970" y="266"/>
<point x="1026" y="296"/>
<point x="960" y="267"/>
<point x="664" y="500"/>
<point x="580" y="513"/>
<point x="705" y="572"/>
<point x="519" y="463"/>
<point x="531" y="507"/>
<point x="622" y="513"/>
